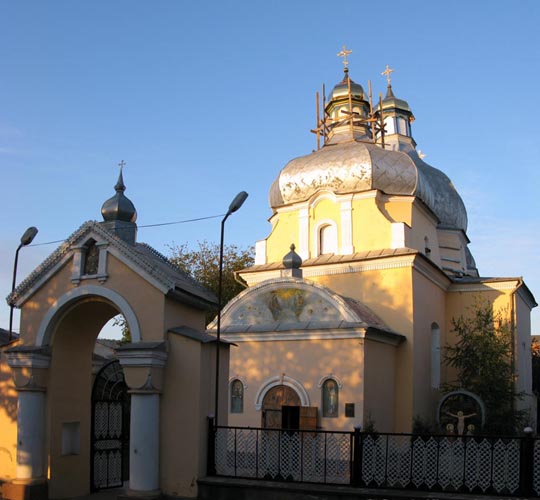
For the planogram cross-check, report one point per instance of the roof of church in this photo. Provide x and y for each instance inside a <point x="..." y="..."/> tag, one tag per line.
<point x="4" y="336"/>
<point x="355" y="167"/>
<point x="336" y="259"/>
<point x="176" y="281"/>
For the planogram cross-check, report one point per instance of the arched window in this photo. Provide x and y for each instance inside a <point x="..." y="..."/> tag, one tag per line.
<point x="237" y="396"/>
<point x="435" y="356"/>
<point x="91" y="258"/>
<point x="330" y="398"/>
<point x="328" y="239"/>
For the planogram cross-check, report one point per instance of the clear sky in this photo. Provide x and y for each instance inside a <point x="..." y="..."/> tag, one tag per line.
<point x="205" y="99"/>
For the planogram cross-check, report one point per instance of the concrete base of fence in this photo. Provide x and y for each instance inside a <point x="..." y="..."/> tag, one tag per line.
<point x="217" y="488"/>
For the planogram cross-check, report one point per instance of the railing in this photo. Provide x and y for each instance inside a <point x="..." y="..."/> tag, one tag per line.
<point x="473" y="464"/>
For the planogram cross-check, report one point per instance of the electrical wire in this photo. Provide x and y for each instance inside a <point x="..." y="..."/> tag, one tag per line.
<point x="145" y="225"/>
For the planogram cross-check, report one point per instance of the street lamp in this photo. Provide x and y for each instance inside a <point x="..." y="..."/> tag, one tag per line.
<point x="233" y="207"/>
<point x="26" y="239"/>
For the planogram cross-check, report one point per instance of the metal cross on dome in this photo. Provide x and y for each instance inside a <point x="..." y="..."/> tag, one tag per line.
<point x="344" y="53"/>
<point x="387" y="72"/>
<point x="122" y="164"/>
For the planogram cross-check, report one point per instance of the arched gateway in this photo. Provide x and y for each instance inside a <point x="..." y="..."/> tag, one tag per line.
<point x="83" y="424"/>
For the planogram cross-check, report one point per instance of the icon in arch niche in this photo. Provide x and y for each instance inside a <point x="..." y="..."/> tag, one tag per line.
<point x="461" y="413"/>
<point x="330" y="393"/>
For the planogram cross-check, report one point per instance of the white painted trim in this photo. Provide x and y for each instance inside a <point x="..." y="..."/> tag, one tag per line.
<point x="292" y="335"/>
<point x="316" y="235"/>
<point x="28" y="360"/>
<point x="347" y="247"/>
<point x="142" y="358"/>
<point x="260" y="252"/>
<point x="238" y="377"/>
<point x="398" y="235"/>
<point x="303" y="237"/>
<point x="281" y="380"/>
<point x="330" y="376"/>
<point x="87" y="291"/>
<point x="482" y="287"/>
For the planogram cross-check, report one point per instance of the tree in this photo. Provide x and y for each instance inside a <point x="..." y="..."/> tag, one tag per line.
<point x="535" y="350"/>
<point x="202" y="264"/>
<point x="483" y="358"/>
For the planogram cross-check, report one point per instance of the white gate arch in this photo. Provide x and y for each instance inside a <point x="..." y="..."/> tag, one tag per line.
<point x="87" y="291"/>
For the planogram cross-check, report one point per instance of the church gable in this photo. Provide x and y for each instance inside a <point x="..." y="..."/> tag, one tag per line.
<point x="290" y="303"/>
<point x="87" y="251"/>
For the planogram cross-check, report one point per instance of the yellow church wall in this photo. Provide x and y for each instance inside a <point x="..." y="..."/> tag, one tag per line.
<point x="285" y="231"/>
<point x="377" y="289"/>
<point x="257" y="362"/>
<point x="524" y="358"/>
<point x="379" y="385"/>
<point x="8" y="419"/>
<point x="388" y="293"/>
<point x="429" y="310"/>
<point x="371" y="230"/>
<point x="462" y="303"/>
<point x="399" y="211"/>
<point x="69" y="396"/>
<point x="424" y="225"/>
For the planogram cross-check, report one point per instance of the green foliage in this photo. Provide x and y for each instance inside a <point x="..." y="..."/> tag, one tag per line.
<point x="422" y="426"/>
<point x="122" y="323"/>
<point x="535" y="350"/>
<point x="369" y="424"/>
<point x="483" y="358"/>
<point x="202" y="264"/>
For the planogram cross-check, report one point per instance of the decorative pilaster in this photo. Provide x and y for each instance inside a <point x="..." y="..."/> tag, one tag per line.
<point x="29" y="366"/>
<point x="143" y="364"/>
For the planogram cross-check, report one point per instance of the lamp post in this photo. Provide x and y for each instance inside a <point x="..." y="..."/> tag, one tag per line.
<point x="233" y="207"/>
<point x="26" y="239"/>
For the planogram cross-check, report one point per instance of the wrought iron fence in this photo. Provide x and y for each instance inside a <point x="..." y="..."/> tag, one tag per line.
<point x="473" y="464"/>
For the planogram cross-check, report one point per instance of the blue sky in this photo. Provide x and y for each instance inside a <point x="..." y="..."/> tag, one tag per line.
<point x="205" y="99"/>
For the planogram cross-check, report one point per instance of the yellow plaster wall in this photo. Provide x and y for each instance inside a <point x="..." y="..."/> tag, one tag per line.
<point x="187" y="400"/>
<point x="8" y="419"/>
<point x="460" y="303"/>
<point x="399" y="211"/>
<point x="422" y="226"/>
<point x="429" y="308"/>
<point x="256" y="362"/>
<point x="69" y="395"/>
<point x="285" y="231"/>
<point x="371" y="229"/>
<point x="177" y="314"/>
<point x="145" y="299"/>
<point x="380" y="383"/>
<point x="387" y="292"/>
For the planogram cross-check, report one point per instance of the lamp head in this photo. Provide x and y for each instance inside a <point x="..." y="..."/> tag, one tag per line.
<point x="29" y="236"/>
<point x="237" y="202"/>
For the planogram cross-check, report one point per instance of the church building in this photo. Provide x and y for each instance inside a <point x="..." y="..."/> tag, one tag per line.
<point x="347" y="329"/>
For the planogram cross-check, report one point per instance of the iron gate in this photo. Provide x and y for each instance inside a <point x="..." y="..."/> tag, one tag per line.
<point x="109" y="460"/>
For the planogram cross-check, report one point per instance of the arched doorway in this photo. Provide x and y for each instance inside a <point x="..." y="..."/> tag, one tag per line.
<point x="109" y="456"/>
<point x="281" y="408"/>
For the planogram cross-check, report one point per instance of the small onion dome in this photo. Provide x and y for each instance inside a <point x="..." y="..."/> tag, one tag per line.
<point x="119" y="207"/>
<point x="292" y="260"/>
<point x="392" y="102"/>
<point x="341" y="90"/>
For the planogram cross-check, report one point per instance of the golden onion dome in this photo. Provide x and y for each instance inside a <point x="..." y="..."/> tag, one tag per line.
<point x="392" y="102"/>
<point x="341" y="90"/>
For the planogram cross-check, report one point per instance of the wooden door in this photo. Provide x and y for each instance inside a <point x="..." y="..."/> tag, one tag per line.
<point x="273" y="401"/>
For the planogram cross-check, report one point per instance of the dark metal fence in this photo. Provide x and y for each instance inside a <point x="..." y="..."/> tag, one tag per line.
<point x="472" y="464"/>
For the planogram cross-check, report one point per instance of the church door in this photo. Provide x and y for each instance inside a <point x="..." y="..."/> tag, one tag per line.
<point x="273" y="408"/>
<point x="109" y="457"/>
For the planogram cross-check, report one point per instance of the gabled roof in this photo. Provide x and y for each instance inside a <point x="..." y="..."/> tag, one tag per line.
<point x="148" y="262"/>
